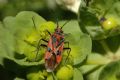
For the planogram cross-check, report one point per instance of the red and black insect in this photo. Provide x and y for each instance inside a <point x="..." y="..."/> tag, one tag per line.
<point x="55" y="47"/>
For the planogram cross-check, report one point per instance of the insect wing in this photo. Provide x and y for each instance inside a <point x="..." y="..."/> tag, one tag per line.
<point x="59" y="53"/>
<point x="50" y="61"/>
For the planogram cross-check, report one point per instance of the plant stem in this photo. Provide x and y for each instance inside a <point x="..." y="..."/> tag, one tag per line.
<point x="92" y="70"/>
<point x="106" y="48"/>
<point x="54" y="77"/>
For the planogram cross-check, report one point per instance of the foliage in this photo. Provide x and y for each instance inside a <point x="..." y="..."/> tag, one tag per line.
<point x="94" y="41"/>
<point x="100" y="19"/>
<point x="24" y="37"/>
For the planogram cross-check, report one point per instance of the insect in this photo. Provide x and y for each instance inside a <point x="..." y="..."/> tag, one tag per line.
<point x="54" y="48"/>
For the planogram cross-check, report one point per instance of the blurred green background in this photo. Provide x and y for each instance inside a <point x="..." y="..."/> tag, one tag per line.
<point x="46" y="8"/>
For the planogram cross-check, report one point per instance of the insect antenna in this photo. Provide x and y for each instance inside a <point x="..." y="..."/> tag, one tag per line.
<point x="65" y="24"/>
<point x="33" y="19"/>
<point x="38" y="45"/>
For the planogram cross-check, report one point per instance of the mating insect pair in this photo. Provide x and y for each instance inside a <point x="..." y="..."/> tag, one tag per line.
<point x="54" y="48"/>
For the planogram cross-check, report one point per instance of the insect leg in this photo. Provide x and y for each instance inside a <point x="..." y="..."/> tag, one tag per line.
<point x="33" y="19"/>
<point x="39" y="42"/>
<point x="68" y="46"/>
<point x="43" y="40"/>
<point x="38" y="48"/>
<point x="40" y="45"/>
<point x="48" y="32"/>
<point x="68" y="51"/>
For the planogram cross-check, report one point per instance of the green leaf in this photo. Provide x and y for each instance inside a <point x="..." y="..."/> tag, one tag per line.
<point x="80" y="43"/>
<point x="108" y="48"/>
<point x="17" y="78"/>
<point x="113" y="43"/>
<point x="34" y="73"/>
<point x="93" y="75"/>
<point x="23" y="62"/>
<point x="90" y="18"/>
<point x="77" y="75"/>
<point x="65" y="73"/>
<point x="102" y="6"/>
<point x="108" y="55"/>
<point x="16" y="30"/>
<point x="23" y="23"/>
<point x="111" y="71"/>
<point x="22" y="35"/>
<point x="87" y="69"/>
<point x="97" y="59"/>
<point x="2" y="49"/>
<point x="6" y="44"/>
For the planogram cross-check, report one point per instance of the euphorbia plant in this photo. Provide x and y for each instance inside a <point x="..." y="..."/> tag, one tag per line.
<point x="25" y="39"/>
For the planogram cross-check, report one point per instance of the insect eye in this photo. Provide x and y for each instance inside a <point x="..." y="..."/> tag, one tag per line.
<point x="57" y="32"/>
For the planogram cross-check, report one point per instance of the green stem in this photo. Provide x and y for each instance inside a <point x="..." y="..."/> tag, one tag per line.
<point x="106" y="48"/>
<point x="92" y="70"/>
<point x="54" y="77"/>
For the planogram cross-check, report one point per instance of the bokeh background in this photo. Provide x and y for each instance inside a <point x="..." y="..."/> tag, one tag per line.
<point x="49" y="9"/>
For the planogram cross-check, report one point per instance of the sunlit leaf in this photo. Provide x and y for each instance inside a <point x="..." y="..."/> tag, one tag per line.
<point x="77" y="74"/>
